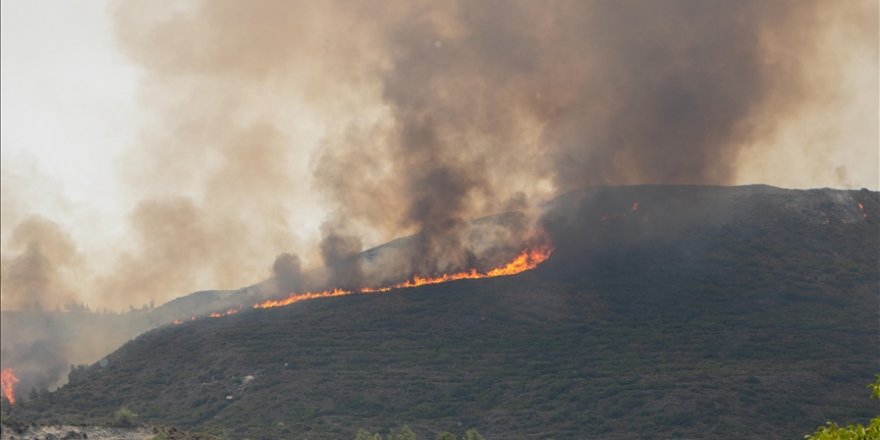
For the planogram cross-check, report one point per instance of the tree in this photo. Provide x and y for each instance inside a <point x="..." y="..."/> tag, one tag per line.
<point x="445" y="435"/>
<point x="472" y="434"/>
<point x="363" y="434"/>
<point x="832" y="431"/>
<point x="77" y="373"/>
<point x="402" y="434"/>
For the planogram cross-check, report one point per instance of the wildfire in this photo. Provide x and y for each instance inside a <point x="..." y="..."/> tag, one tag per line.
<point x="193" y="318"/>
<point x="526" y="260"/>
<point x="862" y="208"/>
<point x="222" y="314"/>
<point x="296" y="297"/>
<point x="7" y="382"/>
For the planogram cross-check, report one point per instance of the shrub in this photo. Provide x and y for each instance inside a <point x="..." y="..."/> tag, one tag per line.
<point x="832" y="431"/>
<point x="402" y="434"/>
<point x="124" y="418"/>
<point x="363" y="434"/>
<point x="472" y="434"/>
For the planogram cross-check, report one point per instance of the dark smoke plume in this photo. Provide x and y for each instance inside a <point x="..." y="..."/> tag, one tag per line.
<point x="339" y="252"/>
<point x="432" y="114"/>
<point x="287" y="269"/>
<point x="41" y="267"/>
<point x="414" y="117"/>
<point x="488" y="99"/>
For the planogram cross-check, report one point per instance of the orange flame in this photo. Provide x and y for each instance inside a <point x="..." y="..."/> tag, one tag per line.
<point x="296" y="297"/>
<point x="7" y="382"/>
<point x="862" y="208"/>
<point x="212" y="315"/>
<point x="526" y="260"/>
<point x="222" y="314"/>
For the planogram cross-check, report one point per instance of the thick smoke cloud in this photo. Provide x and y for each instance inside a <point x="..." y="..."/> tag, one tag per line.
<point x="262" y="119"/>
<point x="488" y="99"/>
<point x="270" y="127"/>
<point x="287" y="269"/>
<point x="339" y="253"/>
<point x="41" y="267"/>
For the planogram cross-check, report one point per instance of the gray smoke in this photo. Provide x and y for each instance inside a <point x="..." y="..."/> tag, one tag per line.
<point x="40" y="267"/>
<point x="340" y="254"/>
<point x="431" y="114"/>
<point x="487" y="99"/>
<point x="287" y="269"/>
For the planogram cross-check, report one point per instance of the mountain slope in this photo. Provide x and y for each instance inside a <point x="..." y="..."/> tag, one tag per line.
<point x="701" y="312"/>
<point x="42" y="345"/>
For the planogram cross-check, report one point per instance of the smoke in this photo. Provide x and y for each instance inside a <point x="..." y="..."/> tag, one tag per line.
<point x="36" y="351"/>
<point x="323" y="128"/>
<point x="40" y="268"/>
<point x="488" y="101"/>
<point x="288" y="272"/>
<point x="42" y="346"/>
<point x="278" y="126"/>
<point x="339" y="252"/>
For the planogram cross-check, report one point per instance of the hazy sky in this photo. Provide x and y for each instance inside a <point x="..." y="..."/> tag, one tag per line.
<point x="67" y="102"/>
<point x="69" y="120"/>
<point x="74" y="130"/>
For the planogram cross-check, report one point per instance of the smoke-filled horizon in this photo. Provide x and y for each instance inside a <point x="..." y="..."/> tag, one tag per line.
<point x="312" y="130"/>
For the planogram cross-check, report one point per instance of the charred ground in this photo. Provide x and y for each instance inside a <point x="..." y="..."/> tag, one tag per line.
<point x="746" y="312"/>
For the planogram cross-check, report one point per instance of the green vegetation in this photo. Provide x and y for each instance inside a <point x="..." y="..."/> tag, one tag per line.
<point x="472" y="434"/>
<point x="124" y="418"/>
<point x="407" y="434"/>
<point x="367" y="435"/>
<point x="832" y="431"/>
<point x="402" y="434"/>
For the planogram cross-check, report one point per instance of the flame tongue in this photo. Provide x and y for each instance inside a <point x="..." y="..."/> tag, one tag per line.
<point x="222" y="314"/>
<point x="296" y="297"/>
<point x="7" y="382"/>
<point x="526" y="260"/>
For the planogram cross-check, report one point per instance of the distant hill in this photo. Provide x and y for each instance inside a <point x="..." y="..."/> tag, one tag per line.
<point x="42" y="345"/>
<point x="702" y="312"/>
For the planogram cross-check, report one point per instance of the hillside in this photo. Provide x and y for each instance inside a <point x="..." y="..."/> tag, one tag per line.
<point x="747" y="312"/>
<point x="41" y="345"/>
